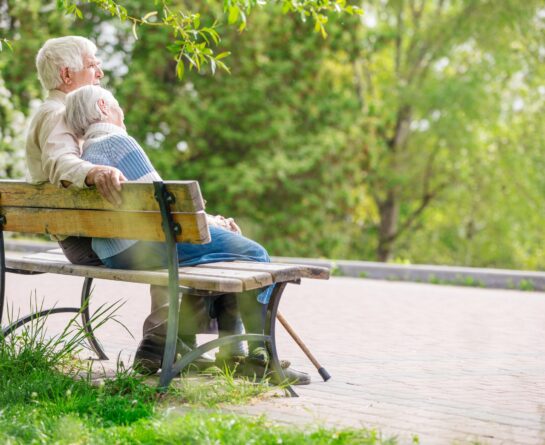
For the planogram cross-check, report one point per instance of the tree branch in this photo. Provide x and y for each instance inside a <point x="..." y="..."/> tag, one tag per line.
<point x="413" y="217"/>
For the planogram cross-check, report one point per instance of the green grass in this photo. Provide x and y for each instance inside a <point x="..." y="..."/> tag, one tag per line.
<point x="47" y="397"/>
<point x="458" y="281"/>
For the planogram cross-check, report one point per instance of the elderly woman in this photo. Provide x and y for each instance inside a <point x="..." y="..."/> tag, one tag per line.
<point x="95" y="116"/>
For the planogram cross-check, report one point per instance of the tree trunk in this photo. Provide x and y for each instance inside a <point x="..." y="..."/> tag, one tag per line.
<point x="389" y="216"/>
<point x="389" y="207"/>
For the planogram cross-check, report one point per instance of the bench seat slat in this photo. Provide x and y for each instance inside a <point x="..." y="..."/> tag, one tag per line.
<point x="136" y="196"/>
<point x="249" y="279"/>
<point x="104" y="224"/>
<point x="279" y="271"/>
<point x="159" y="277"/>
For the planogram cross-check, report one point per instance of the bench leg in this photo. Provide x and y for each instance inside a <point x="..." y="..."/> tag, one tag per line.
<point x="34" y="316"/>
<point x="270" y="331"/>
<point x="170" y="229"/>
<point x="86" y="320"/>
<point x="83" y="309"/>
<point x="169" y="372"/>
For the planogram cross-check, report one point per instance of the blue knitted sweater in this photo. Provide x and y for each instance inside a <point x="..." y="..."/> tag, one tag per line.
<point x="107" y="144"/>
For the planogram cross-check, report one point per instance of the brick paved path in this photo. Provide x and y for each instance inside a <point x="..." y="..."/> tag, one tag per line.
<point x="448" y="364"/>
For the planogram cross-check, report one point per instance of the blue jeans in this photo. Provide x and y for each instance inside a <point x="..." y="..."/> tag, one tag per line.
<point x="225" y="246"/>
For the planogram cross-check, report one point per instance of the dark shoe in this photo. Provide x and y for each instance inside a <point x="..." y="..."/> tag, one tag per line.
<point x="284" y="364"/>
<point x="257" y="368"/>
<point x="149" y="356"/>
<point x="293" y="377"/>
<point x="252" y="368"/>
<point x="223" y="360"/>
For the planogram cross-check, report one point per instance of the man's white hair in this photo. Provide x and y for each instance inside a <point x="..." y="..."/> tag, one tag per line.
<point x="59" y="53"/>
<point x="82" y="108"/>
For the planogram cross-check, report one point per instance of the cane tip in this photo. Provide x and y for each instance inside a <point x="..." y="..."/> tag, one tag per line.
<point x="324" y="374"/>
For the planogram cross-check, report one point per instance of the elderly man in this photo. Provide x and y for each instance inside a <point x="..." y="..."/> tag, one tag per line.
<point x="53" y="153"/>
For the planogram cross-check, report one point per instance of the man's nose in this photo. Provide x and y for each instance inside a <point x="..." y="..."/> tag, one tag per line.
<point x="99" y="73"/>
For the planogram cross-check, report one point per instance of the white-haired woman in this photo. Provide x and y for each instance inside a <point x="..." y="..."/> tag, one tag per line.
<point x="95" y="115"/>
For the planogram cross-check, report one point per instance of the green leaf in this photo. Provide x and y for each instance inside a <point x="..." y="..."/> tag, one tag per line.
<point x="234" y="12"/>
<point x="180" y="69"/>
<point x="223" y="55"/>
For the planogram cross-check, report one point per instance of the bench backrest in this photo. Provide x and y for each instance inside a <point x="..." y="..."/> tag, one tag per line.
<point x="47" y="209"/>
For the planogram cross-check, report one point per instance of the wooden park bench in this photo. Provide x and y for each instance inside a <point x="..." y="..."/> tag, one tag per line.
<point x="171" y="211"/>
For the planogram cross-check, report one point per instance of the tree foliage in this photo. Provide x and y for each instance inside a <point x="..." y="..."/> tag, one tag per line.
<point x="191" y="38"/>
<point x="432" y="80"/>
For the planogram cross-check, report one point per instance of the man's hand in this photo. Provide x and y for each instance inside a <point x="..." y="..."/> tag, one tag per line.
<point x="233" y="226"/>
<point x="226" y="223"/>
<point x="108" y="181"/>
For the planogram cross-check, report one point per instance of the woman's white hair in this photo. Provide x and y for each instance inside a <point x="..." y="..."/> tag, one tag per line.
<point x="82" y="108"/>
<point x="59" y="53"/>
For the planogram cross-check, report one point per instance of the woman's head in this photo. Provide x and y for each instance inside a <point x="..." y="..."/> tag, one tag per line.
<point x="90" y="105"/>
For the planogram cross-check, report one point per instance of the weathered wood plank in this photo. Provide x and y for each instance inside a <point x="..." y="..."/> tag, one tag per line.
<point x="136" y="196"/>
<point x="104" y="223"/>
<point x="279" y="271"/>
<point x="251" y="280"/>
<point x="158" y="277"/>
<point x="48" y="256"/>
<point x="57" y="251"/>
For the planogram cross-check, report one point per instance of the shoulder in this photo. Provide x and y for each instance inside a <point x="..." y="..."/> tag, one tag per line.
<point x="48" y="114"/>
<point x="123" y="141"/>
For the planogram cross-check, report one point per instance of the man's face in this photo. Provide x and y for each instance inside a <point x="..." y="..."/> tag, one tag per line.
<point x="89" y="75"/>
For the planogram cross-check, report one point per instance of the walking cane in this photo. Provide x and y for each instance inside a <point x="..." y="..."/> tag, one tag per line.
<point x="321" y="370"/>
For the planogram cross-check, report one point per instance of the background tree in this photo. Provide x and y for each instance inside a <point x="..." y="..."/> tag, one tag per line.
<point x="431" y="77"/>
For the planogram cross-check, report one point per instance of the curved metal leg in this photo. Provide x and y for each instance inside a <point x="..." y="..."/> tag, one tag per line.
<point x="208" y="346"/>
<point x="170" y="229"/>
<point x="22" y="321"/>
<point x="270" y="332"/>
<point x="86" y="319"/>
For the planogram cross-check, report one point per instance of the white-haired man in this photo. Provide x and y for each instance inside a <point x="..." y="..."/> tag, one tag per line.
<point x="53" y="153"/>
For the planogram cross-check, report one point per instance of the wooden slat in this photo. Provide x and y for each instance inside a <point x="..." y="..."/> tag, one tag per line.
<point x="279" y="271"/>
<point x="57" y="257"/>
<point x="159" y="277"/>
<point x="104" y="224"/>
<point x="55" y="251"/>
<point x="136" y="196"/>
<point x="251" y="280"/>
<point x="253" y="274"/>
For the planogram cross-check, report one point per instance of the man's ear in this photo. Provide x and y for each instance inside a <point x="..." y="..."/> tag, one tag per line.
<point x="103" y="106"/>
<point x="65" y="76"/>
